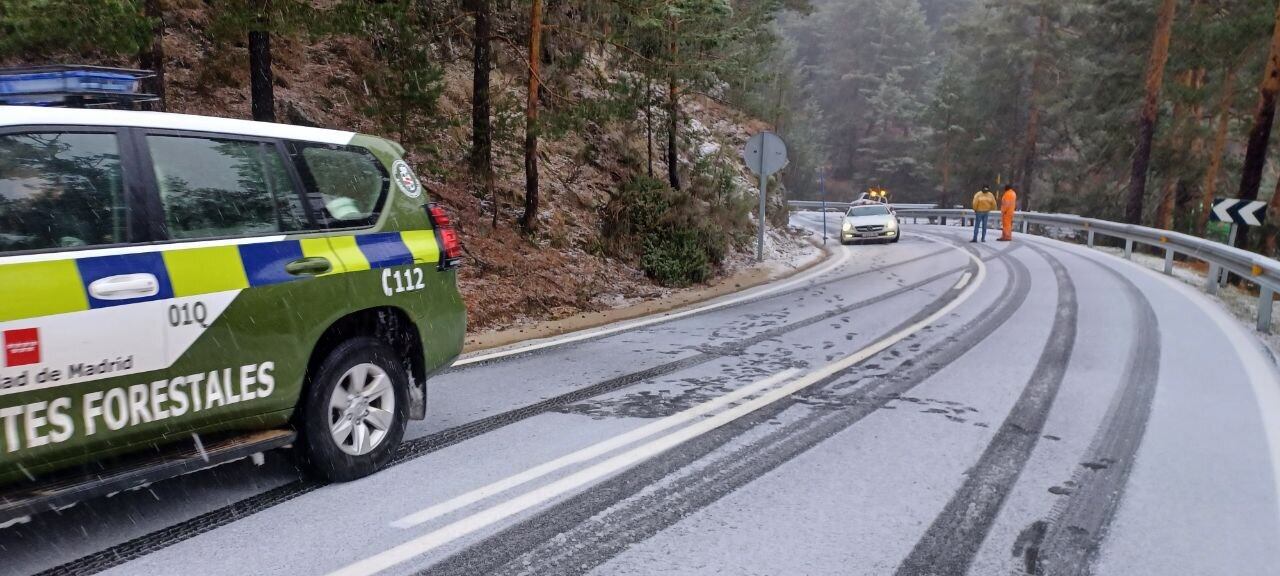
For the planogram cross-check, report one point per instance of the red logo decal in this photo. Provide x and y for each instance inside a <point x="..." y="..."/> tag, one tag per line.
<point x="21" y="347"/>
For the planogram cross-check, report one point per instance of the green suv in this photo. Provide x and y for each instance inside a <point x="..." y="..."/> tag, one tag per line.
<point x="184" y="289"/>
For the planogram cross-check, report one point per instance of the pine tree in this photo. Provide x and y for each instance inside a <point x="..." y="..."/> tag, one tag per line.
<point x="261" y="79"/>
<point x="481" y="125"/>
<point x="1264" y="114"/>
<point x="151" y="56"/>
<point x="1150" y="112"/>
<point x="37" y="30"/>
<point x="529" y="220"/>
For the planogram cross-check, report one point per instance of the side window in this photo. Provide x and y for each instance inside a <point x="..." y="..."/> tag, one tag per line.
<point x="221" y="187"/>
<point x="347" y="183"/>
<point x="60" y="190"/>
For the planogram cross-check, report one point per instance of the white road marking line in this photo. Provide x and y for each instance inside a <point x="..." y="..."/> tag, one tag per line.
<point x="831" y="264"/>
<point x="499" y="512"/>
<point x="964" y="281"/>
<point x="589" y="453"/>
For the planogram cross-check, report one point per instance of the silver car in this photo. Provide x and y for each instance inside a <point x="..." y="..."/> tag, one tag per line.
<point x="870" y="223"/>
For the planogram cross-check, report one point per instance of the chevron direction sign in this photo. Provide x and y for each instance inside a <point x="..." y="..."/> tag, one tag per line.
<point x="1246" y="212"/>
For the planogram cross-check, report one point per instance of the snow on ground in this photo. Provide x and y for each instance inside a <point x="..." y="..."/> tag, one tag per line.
<point x="1242" y="304"/>
<point x="784" y="251"/>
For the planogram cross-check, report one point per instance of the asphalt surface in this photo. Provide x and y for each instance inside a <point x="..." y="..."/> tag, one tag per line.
<point x="926" y="407"/>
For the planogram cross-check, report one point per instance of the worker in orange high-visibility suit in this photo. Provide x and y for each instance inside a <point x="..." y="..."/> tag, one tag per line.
<point x="1008" y="204"/>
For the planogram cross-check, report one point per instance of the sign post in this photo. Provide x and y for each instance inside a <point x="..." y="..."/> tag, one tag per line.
<point x="765" y="154"/>
<point x="822" y="187"/>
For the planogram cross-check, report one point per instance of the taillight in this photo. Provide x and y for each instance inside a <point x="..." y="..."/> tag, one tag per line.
<point x="450" y="247"/>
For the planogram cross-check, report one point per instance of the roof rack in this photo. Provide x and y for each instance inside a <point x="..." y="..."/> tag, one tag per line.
<point x="73" y="86"/>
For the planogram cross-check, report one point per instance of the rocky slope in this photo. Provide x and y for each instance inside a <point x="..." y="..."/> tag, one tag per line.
<point x="508" y="278"/>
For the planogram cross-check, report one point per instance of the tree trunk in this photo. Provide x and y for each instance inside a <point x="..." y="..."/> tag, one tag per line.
<point x="648" y="120"/>
<point x="1150" y="112"/>
<point x="152" y="56"/>
<point x="1210" y="187"/>
<point x="1164" y="211"/>
<point x="1264" y="113"/>
<point x="1033" y="115"/>
<point x="673" y="114"/>
<point x="1186" y="188"/>
<point x="531" y="122"/>
<point x="673" y="134"/>
<point x="944" y="198"/>
<point x="481" y="123"/>
<point x="1271" y="227"/>
<point x="261" y="81"/>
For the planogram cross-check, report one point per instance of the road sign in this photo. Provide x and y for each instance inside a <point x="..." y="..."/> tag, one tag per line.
<point x="1245" y="212"/>
<point x="765" y="154"/>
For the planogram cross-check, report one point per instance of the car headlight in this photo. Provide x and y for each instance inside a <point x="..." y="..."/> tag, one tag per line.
<point x="847" y="226"/>
<point x="893" y="225"/>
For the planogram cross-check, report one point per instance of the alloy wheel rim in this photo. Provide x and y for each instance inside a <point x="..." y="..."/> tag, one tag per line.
<point x="361" y="409"/>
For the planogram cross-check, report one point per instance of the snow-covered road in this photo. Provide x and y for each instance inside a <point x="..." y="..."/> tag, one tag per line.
<point x="927" y="407"/>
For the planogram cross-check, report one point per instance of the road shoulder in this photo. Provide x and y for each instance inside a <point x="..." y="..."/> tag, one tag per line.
<point x="742" y="280"/>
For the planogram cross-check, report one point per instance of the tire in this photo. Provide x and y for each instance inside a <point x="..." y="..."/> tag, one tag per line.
<point x="320" y="449"/>
<point x="896" y="238"/>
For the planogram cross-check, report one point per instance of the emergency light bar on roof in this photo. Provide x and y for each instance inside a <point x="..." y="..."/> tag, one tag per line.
<point x="72" y="86"/>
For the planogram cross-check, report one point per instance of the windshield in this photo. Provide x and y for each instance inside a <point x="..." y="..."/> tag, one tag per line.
<point x="879" y="210"/>
<point x="470" y="287"/>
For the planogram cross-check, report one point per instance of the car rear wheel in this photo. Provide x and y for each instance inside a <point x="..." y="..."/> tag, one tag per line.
<point x="355" y="410"/>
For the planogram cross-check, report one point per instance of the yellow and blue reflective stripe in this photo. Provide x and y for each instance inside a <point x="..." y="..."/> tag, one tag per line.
<point x="205" y="270"/>
<point x="422" y="244"/>
<point x="59" y="286"/>
<point x="264" y="263"/>
<point x="384" y="250"/>
<point x="348" y="253"/>
<point x="98" y="267"/>
<point x="41" y="289"/>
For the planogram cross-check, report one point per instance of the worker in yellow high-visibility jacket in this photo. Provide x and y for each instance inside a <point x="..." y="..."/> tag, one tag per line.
<point x="1008" y="204"/>
<point x="984" y="202"/>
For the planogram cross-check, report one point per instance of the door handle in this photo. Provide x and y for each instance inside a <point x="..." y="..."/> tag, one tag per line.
<point x="125" y="286"/>
<point x="308" y="267"/>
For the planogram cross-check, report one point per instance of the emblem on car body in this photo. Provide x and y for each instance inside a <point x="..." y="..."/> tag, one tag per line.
<point x="405" y="180"/>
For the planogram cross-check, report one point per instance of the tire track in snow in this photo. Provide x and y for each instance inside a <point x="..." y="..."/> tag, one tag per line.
<point x="1075" y="529"/>
<point x="951" y="542"/>
<point x="585" y="531"/>
<point x="411" y="449"/>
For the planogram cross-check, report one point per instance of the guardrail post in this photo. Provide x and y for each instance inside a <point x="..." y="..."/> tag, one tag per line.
<point x="1168" y="261"/>
<point x="1211" y="284"/>
<point x="1128" y="249"/>
<point x="1265" y="298"/>
<point x="1091" y="238"/>
<point x="1025" y="226"/>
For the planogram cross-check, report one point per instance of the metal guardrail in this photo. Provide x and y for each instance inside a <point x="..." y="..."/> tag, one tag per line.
<point x="1255" y="268"/>
<point x="813" y="204"/>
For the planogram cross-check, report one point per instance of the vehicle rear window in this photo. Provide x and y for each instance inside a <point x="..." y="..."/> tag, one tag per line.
<point x="213" y="187"/>
<point x="60" y="190"/>
<point x="346" y="181"/>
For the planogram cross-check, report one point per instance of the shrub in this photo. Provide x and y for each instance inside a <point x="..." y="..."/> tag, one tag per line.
<point x="678" y="258"/>
<point x="676" y="238"/>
